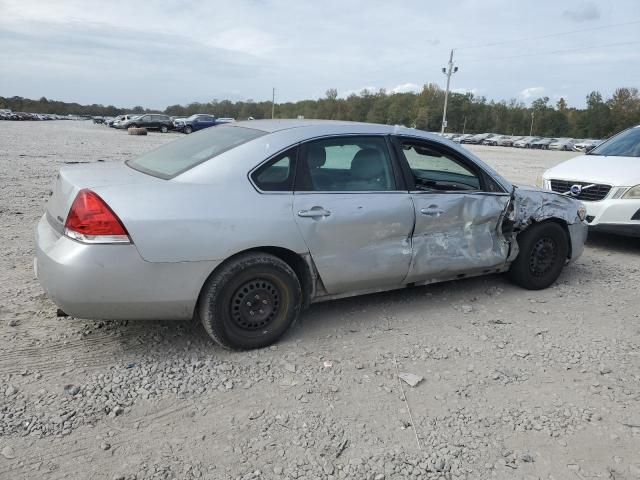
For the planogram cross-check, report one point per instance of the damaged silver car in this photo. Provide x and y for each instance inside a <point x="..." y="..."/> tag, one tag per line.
<point x="242" y="226"/>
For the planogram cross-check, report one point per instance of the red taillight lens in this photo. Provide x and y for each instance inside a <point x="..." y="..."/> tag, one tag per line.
<point x="91" y="220"/>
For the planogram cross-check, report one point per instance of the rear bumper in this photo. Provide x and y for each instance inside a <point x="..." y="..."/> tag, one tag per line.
<point x="113" y="282"/>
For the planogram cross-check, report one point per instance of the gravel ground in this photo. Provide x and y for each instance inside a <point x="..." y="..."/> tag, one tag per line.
<point x="516" y="384"/>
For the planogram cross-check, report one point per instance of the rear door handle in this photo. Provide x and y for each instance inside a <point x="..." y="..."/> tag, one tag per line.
<point x="314" y="212"/>
<point x="431" y="212"/>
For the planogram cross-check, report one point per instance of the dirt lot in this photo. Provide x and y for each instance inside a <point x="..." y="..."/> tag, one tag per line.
<point x="517" y="384"/>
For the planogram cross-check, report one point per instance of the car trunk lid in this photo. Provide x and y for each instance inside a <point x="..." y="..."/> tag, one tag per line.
<point x="72" y="179"/>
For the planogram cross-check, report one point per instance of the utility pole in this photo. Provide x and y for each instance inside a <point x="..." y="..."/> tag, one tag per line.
<point x="531" y="129"/>
<point x="273" y="102"/>
<point x="448" y="71"/>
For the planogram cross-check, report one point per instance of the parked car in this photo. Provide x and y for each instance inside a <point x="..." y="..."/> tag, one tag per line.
<point x="464" y="136"/>
<point x="493" y="140"/>
<point x="477" y="139"/>
<point x="246" y="224"/>
<point x="543" y="143"/>
<point x="525" y="142"/>
<point x="607" y="180"/>
<point x="586" y="145"/>
<point x="508" y="141"/>
<point x="195" y="122"/>
<point x="98" y="120"/>
<point x="120" y="120"/>
<point x="150" y="121"/>
<point x="564" y="144"/>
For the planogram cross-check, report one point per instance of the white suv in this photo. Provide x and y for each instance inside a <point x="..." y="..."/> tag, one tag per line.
<point x="607" y="180"/>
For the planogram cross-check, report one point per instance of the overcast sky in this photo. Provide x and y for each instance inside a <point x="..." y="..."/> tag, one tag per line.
<point x="158" y="53"/>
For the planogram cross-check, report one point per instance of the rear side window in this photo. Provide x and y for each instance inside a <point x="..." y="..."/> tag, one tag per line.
<point x="346" y="164"/>
<point x="181" y="155"/>
<point x="278" y="174"/>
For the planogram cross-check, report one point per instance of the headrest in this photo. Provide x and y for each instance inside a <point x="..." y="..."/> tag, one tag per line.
<point x="316" y="156"/>
<point x="367" y="164"/>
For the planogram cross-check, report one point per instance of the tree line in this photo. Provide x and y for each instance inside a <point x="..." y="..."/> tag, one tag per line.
<point x="467" y="113"/>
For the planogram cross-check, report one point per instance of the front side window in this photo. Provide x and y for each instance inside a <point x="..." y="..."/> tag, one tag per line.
<point x="181" y="155"/>
<point x="278" y="174"/>
<point x="435" y="170"/>
<point x="346" y="164"/>
<point x="625" y="144"/>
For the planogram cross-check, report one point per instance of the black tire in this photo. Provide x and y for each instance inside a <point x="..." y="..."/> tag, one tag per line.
<point x="544" y="248"/>
<point x="133" y="125"/>
<point x="237" y="321"/>
<point x="164" y="129"/>
<point x="188" y="129"/>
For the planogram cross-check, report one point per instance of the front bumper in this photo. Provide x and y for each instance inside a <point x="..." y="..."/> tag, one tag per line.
<point x="617" y="216"/>
<point x="578" y="235"/>
<point x="113" y="282"/>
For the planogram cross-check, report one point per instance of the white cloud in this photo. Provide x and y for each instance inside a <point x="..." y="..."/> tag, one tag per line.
<point x="532" y="92"/>
<point x="406" y="88"/>
<point x="463" y="90"/>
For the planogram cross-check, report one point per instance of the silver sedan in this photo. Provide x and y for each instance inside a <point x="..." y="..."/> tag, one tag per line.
<point x="242" y="226"/>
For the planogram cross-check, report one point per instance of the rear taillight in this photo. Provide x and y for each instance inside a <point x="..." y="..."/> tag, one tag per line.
<point x="90" y="220"/>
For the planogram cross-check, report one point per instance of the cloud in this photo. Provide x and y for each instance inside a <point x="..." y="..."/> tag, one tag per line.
<point x="473" y="91"/>
<point x="584" y="12"/>
<point x="532" y="92"/>
<point x="406" y="88"/>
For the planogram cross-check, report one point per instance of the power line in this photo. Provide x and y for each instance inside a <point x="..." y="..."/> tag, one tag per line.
<point x="551" y="52"/>
<point x="551" y="35"/>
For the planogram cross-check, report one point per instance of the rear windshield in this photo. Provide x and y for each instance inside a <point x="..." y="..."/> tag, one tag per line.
<point x="625" y="144"/>
<point x="181" y="155"/>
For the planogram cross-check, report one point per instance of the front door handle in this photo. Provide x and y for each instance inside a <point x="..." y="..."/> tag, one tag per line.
<point x="314" y="212"/>
<point x="431" y="212"/>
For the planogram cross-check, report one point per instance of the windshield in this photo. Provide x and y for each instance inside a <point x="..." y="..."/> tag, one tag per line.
<point x="181" y="155"/>
<point x="625" y="144"/>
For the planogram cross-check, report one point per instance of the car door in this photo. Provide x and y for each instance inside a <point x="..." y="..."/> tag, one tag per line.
<point x="353" y="212"/>
<point x="144" y="121"/>
<point x="459" y="211"/>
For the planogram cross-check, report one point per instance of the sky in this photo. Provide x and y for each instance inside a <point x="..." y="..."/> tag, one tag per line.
<point x="160" y="53"/>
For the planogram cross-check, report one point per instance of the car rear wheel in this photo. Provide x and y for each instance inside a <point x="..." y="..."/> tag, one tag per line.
<point x="544" y="248"/>
<point x="250" y="302"/>
<point x="188" y="129"/>
<point x="164" y="129"/>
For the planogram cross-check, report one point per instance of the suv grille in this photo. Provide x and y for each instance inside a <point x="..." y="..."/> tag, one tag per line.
<point x="591" y="194"/>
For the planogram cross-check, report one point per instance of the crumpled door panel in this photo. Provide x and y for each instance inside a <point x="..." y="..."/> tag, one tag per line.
<point x="457" y="233"/>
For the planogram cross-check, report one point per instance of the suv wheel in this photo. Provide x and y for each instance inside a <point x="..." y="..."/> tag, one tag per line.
<point x="188" y="129"/>
<point x="164" y="129"/>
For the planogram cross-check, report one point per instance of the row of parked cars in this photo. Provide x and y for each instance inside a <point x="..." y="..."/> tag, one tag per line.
<point x="23" y="116"/>
<point x="542" y="143"/>
<point x="163" y="123"/>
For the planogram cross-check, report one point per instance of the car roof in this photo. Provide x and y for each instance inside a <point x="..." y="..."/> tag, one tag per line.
<point x="336" y="126"/>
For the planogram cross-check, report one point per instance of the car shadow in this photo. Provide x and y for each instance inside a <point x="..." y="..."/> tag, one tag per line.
<point x="616" y="243"/>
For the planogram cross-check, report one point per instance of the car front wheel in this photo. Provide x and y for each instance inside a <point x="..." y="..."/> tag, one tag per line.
<point x="164" y="129"/>
<point x="250" y="302"/>
<point x="544" y="248"/>
<point x="188" y="129"/>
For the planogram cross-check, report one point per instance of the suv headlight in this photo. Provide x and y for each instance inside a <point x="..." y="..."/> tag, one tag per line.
<point x="633" y="193"/>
